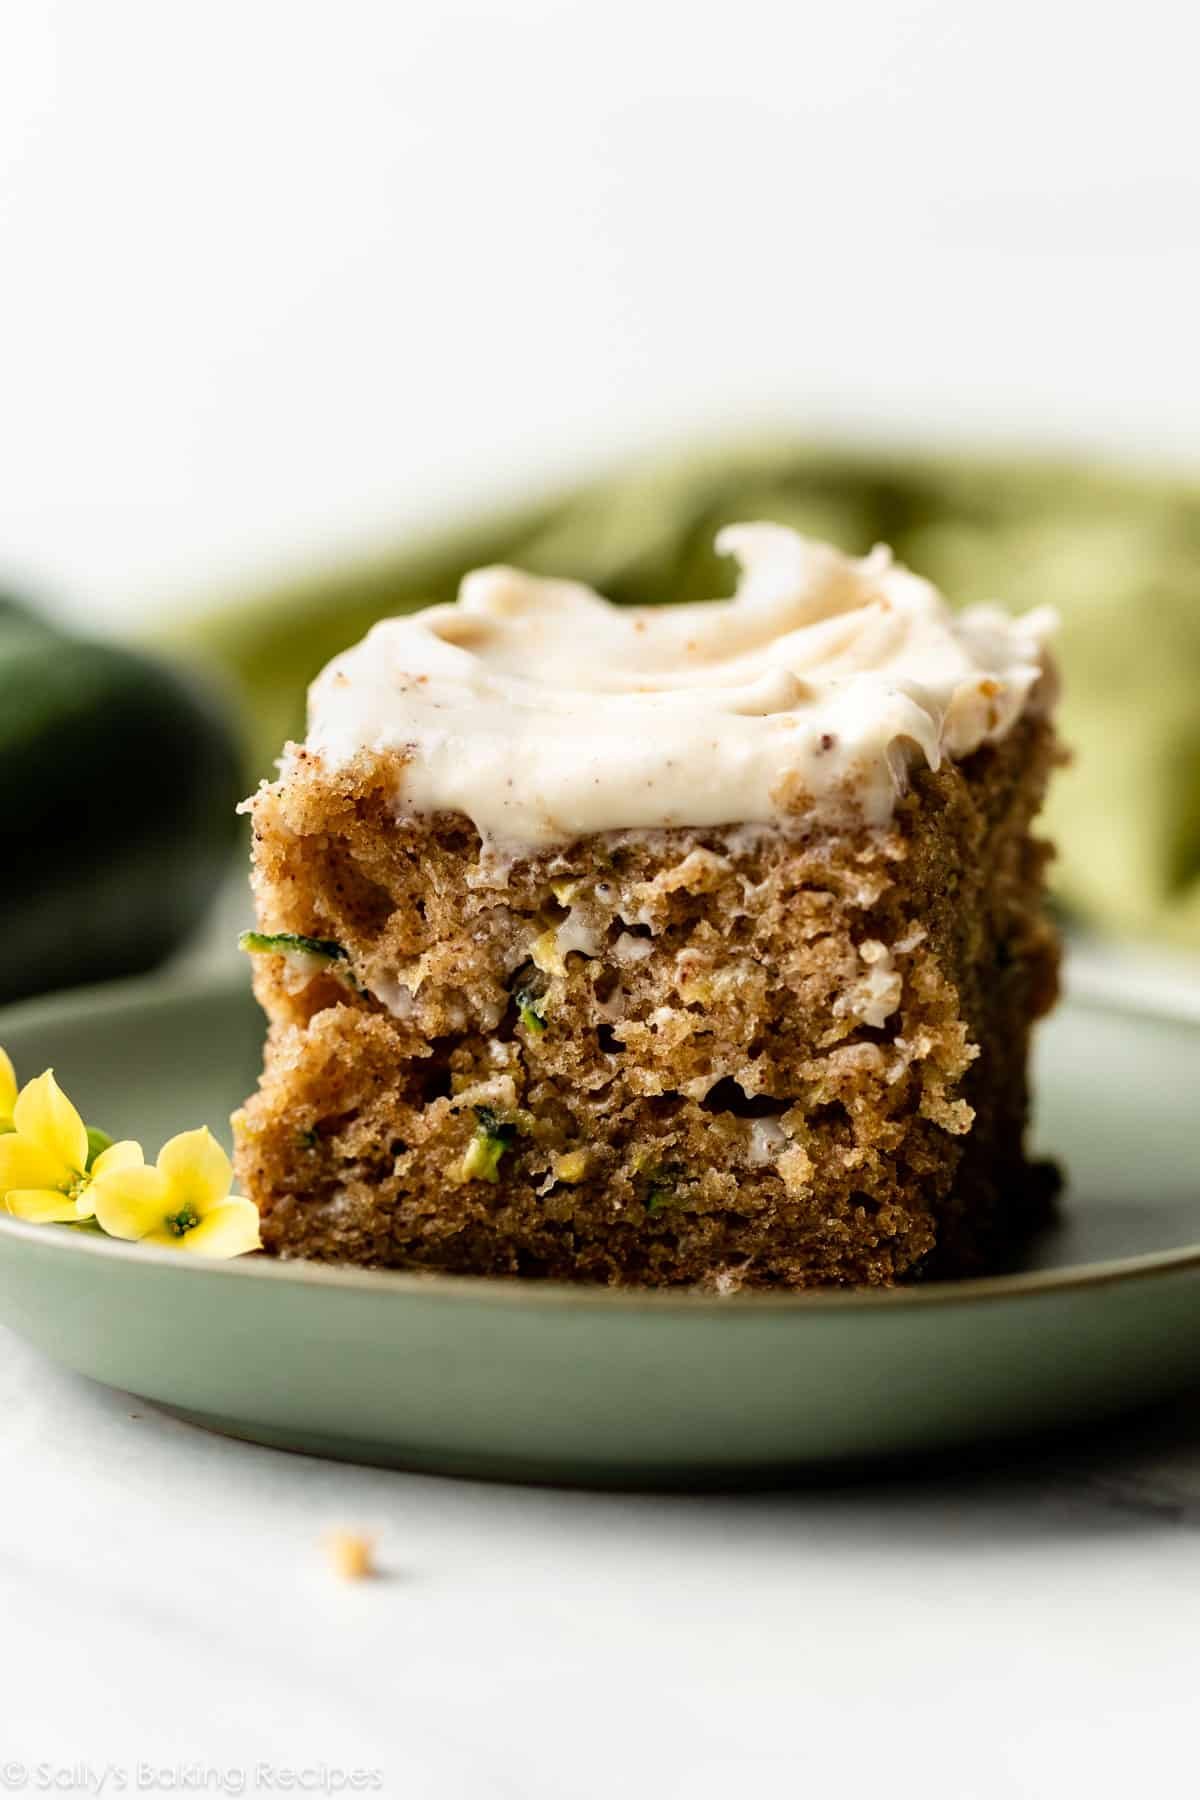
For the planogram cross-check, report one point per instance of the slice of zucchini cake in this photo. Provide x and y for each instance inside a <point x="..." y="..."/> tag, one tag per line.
<point x="693" y="944"/>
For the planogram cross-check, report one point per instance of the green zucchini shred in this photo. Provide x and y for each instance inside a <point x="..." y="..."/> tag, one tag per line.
<point x="291" y="943"/>
<point x="662" y="1186"/>
<point x="492" y="1138"/>
<point x="531" y="999"/>
<point x="530" y="1017"/>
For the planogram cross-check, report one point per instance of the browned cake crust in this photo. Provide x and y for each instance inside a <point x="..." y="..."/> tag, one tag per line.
<point x="721" y="1057"/>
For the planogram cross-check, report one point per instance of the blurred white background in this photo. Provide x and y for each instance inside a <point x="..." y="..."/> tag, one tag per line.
<point x="280" y="278"/>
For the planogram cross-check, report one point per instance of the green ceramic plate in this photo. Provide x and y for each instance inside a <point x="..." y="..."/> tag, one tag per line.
<point x="527" y="1379"/>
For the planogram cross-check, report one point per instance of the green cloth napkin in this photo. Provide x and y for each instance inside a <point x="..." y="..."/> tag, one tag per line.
<point x="1118" y="553"/>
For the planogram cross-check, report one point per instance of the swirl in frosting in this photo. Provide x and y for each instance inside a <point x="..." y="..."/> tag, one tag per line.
<point x="545" y="713"/>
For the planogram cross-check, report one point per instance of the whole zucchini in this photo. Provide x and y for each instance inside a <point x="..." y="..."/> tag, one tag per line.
<point x="119" y="775"/>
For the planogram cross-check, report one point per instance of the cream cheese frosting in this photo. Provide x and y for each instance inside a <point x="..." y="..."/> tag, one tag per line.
<point x="544" y="713"/>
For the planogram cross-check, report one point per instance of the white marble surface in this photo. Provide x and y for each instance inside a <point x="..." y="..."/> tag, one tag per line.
<point x="1026" y="1628"/>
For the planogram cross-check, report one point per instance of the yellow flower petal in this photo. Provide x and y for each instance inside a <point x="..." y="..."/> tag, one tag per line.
<point x="197" y="1171"/>
<point x="8" y="1088"/>
<point x="43" y="1114"/>
<point x="26" y="1165"/>
<point x="230" y="1229"/>
<point x="125" y="1155"/>
<point x="42" y="1206"/>
<point x="130" y="1202"/>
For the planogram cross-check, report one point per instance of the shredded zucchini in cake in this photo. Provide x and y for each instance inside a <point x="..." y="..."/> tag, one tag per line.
<point x="530" y="998"/>
<point x="492" y="1138"/>
<point x="291" y="944"/>
<point x="307" y="955"/>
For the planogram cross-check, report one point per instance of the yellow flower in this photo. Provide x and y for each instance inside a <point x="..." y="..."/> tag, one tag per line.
<point x="182" y="1202"/>
<point x="44" y="1174"/>
<point x="8" y="1091"/>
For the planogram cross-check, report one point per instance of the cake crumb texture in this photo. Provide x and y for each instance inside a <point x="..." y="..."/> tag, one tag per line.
<point x="730" y="1057"/>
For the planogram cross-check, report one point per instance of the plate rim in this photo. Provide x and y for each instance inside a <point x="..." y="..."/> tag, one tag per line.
<point x="1161" y="989"/>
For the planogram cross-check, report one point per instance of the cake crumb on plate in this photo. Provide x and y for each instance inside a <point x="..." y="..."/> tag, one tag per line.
<point x="352" y="1554"/>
